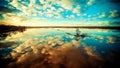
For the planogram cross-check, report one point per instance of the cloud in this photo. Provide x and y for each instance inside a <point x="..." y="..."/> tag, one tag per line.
<point x="6" y="10"/>
<point x="26" y="8"/>
<point x="34" y="9"/>
<point x="103" y="23"/>
<point x="77" y="9"/>
<point x="21" y="20"/>
<point x="16" y="3"/>
<point x="113" y="14"/>
<point x="111" y="39"/>
<point x="42" y="1"/>
<point x="90" y="2"/>
<point x="4" y="23"/>
<point x="100" y="38"/>
<point x="71" y="16"/>
<point x="25" y="35"/>
<point x="67" y="4"/>
<point x="14" y="19"/>
<point x="40" y="54"/>
<point x="40" y="49"/>
<point x="50" y="51"/>
<point x="102" y="15"/>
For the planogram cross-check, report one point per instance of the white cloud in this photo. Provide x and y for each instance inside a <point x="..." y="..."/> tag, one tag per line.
<point x="77" y="9"/>
<point x="90" y="2"/>
<point x="15" y="3"/>
<point x="26" y="10"/>
<point x="100" y="38"/>
<point x="32" y="50"/>
<point x="71" y="16"/>
<point x="102" y="15"/>
<point x="47" y="8"/>
<point x="103" y="23"/>
<point x="67" y="4"/>
<point x="113" y="13"/>
<point x="111" y="39"/>
<point x="32" y="3"/>
<point x="42" y="1"/>
<point x="14" y="19"/>
<point x="60" y="10"/>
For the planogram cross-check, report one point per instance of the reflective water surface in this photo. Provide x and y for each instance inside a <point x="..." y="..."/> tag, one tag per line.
<point x="61" y="48"/>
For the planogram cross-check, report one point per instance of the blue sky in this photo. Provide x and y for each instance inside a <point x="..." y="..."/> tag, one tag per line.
<point x="60" y="12"/>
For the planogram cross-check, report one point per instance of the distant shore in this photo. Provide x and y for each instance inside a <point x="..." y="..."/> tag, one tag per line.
<point x="86" y="27"/>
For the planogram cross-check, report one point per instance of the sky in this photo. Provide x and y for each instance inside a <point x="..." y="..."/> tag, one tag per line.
<point x="60" y="12"/>
<point x="58" y="48"/>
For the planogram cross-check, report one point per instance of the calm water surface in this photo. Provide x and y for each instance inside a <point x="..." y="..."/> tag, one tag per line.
<point x="101" y="42"/>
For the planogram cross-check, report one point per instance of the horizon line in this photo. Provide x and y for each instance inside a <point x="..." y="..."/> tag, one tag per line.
<point x="90" y="27"/>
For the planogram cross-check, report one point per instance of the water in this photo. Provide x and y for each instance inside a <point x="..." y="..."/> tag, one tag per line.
<point x="99" y="43"/>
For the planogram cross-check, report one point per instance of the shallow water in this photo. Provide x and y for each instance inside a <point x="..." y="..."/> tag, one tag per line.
<point x="100" y="43"/>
